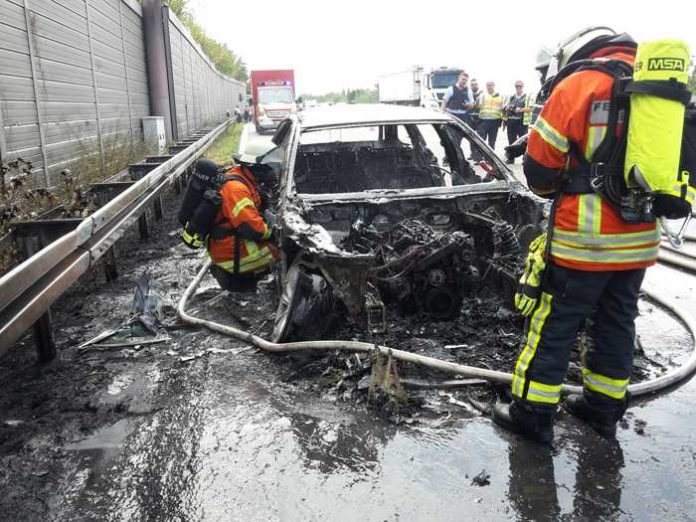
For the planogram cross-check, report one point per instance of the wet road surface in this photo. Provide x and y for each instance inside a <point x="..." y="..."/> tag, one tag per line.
<point x="167" y="432"/>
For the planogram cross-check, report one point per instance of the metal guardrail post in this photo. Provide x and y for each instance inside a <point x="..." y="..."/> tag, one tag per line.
<point x="157" y="208"/>
<point x="110" y="266"/>
<point x="143" y="226"/>
<point x="43" y="328"/>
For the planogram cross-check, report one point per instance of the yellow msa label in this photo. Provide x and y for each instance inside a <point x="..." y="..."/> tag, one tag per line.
<point x="663" y="64"/>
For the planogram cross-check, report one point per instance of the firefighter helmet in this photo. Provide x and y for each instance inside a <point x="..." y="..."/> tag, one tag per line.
<point x="264" y="164"/>
<point x="543" y="60"/>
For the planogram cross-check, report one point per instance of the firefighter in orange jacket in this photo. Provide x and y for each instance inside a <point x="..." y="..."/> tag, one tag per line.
<point x="239" y="245"/>
<point x="596" y="260"/>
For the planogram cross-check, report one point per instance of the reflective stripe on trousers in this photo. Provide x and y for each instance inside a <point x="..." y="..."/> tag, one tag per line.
<point x="256" y="258"/>
<point x="612" y="388"/>
<point x="533" y="337"/>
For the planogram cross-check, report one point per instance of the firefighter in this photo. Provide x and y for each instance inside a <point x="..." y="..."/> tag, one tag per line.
<point x="596" y="260"/>
<point x="239" y="244"/>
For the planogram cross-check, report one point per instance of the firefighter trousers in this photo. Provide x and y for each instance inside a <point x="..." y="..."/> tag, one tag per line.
<point x="605" y="304"/>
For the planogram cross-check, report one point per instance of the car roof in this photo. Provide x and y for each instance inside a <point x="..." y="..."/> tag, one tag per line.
<point x="366" y="114"/>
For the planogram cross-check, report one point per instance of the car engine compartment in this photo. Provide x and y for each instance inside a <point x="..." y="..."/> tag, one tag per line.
<point x="415" y="257"/>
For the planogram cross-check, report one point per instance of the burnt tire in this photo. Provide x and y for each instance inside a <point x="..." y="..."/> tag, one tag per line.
<point x="288" y="297"/>
<point x="306" y="306"/>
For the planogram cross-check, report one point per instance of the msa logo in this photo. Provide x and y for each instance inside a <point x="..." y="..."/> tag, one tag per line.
<point x="666" y="64"/>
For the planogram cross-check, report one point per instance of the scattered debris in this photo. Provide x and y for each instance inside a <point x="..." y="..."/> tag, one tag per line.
<point x="640" y="426"/>
<point x="452" y="400"/>
<point x="143" y="326"/>
<point x="482" y="479"/>
<point x="198" y="355"/>
<point x="385" y="390"/>
<point x="188" y="358"/>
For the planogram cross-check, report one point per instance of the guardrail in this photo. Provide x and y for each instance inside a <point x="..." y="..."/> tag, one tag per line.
<point x="29" y="289"/>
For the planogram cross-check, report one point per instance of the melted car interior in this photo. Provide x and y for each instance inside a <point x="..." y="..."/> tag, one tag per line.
<point x="397" y="157"/>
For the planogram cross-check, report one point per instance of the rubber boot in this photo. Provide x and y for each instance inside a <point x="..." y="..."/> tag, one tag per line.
<point x="522" y="419"/>
<point x="601" y="415"/>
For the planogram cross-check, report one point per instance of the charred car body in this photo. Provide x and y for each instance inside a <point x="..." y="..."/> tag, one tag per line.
<point x="380" y="210"/>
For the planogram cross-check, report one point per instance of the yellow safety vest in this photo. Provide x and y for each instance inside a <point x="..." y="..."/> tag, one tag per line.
<point x="491" y="106"/>
<point x="528" y="109"/>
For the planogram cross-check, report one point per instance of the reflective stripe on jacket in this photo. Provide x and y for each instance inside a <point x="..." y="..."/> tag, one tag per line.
<point x="491" y="106"/>
<point x="241" y="202"/>
<point x="588" y="233"/>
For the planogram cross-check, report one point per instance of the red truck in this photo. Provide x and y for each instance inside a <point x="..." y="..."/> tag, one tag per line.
<point x="273" y="97"/>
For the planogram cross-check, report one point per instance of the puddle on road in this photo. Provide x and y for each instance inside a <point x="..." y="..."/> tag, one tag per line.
<point x="107" y="438"/>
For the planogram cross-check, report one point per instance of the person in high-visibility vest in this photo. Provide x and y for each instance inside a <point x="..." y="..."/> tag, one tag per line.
<point x="515" y="112"/>
<point x="240" y="245"/>
<point x="476" y="92"/>
<point x="528" y="112"/>
<point x="490" y="114"/>
<point x="596" y="260"/>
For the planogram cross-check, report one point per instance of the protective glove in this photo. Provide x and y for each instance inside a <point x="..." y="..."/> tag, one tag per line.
<point x="270" y="218"/>
<point x="517" y="148"/>
<point x="529" y="286"/>
<point x="191" y="239"/>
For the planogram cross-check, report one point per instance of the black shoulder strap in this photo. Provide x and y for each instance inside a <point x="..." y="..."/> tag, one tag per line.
<point x="610" y="149"/>
<point x="670" y="90"/>
<point x="222" y="232"/>
<point x="615" y="68"/>
<point x="234" y="177"/>
<point x="603" y="172"/>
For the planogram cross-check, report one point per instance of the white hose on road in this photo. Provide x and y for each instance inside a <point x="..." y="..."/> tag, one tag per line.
<point x="677" y="258"/>
<point x="644" y="388"/>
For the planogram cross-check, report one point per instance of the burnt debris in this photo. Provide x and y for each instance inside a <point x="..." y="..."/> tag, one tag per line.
<point x="418" y="268"/>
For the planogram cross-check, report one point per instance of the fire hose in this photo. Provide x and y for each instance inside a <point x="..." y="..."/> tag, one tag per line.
<point x="656" y="384"/>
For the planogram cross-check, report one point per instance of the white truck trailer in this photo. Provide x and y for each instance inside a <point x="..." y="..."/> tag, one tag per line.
<point x="409" y="87"/>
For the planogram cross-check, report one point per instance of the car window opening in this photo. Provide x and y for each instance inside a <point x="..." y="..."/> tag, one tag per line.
<point x="385" y="157"/>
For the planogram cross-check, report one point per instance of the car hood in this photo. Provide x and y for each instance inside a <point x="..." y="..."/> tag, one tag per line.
<point x="316" y="240"/>
<point x="375" y="196"/>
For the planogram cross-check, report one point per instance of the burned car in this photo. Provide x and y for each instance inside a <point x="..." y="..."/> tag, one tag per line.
<point x="383" y="215"/>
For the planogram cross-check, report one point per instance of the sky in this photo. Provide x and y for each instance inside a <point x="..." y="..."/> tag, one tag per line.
<point x="334" y="45"/>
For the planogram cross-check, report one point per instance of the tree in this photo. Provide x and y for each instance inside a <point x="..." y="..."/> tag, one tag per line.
<point x="222" y="57"/>
<point x="345" y="96"/>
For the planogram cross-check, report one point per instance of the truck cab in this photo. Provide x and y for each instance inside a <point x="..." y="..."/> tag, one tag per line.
<point x="443" y="78"/>
<point x="273" y="94"/>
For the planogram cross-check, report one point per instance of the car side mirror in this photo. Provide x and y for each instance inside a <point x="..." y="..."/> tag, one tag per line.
<point x="281" y="132"/>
